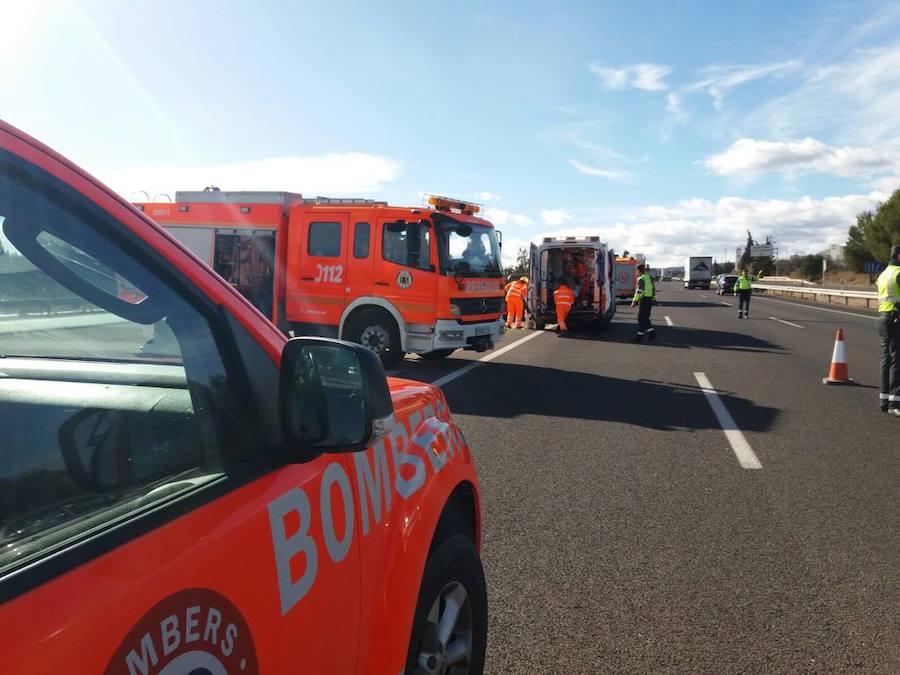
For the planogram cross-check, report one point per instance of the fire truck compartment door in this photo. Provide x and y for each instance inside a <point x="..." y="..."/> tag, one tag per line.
<point x="198" y="240"/>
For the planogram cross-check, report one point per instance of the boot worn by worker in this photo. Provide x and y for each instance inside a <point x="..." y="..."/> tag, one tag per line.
<point x="651" y="335"/>
<point x="894" y="412"/>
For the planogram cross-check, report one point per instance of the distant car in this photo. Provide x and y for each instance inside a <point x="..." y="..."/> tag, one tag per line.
<point x="725" y="284"/>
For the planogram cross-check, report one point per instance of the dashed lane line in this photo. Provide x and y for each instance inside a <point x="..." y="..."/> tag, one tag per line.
<point x="668" y="321"/>
<point x="789" y="323"/>
<point x="821" y="309"/>
<point x="742" y="450"/>
<point x="449" y="377"/>
<point x="726" y="303"/>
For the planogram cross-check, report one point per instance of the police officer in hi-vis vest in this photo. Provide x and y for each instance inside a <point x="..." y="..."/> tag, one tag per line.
<point x="743" y="288"/>
<point x="889" y="329"/>
<point x="644" y="294"/>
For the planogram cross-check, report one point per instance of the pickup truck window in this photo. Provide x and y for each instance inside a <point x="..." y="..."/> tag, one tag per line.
<point x="112" y="388"/>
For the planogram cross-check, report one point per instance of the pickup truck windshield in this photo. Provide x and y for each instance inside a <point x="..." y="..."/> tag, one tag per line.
<point x="467" y="249"/>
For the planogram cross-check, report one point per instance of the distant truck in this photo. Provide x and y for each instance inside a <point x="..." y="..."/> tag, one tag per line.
<point x="698" y="272"/>
<point x="587" y="264"/>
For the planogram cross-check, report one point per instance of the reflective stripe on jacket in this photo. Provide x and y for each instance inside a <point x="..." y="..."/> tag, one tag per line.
<point x="517" y="288"/>
<point x="889" y="289"/>
<point x="644" y="287"/>
<point x="743" y="283"/>
<point x="563" y="296"/>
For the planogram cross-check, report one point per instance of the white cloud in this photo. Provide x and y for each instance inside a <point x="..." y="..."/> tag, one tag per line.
<point x="487" y="197"/>
<point x="497" y="216"/>
<point x="855" y="99"/>
<point x="346" y="173"/>
<point x="748" y="156"/>
<point x="673" y="104"/>
<point x="720" y="80"/>
<point x="597" y="171"/>
<point x="668" y="234"/>
<point x="501" y="217"/>
<point x="645" y="76"/>
<point x="555" y="217"/>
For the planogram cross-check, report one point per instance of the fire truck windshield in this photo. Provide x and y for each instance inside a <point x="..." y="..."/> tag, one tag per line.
<point x="467" y="249"/>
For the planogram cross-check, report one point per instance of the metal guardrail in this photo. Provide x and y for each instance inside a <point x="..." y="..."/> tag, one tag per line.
<point x="868" y="299"/>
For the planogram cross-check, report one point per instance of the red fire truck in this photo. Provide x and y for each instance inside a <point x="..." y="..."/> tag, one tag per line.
<point x="243" y="503"/>
<point x="423" y="280"/>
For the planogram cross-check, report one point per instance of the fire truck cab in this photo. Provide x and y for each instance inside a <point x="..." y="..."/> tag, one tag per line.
<point x="397" y="280"/>
<point x="587" y="265"/>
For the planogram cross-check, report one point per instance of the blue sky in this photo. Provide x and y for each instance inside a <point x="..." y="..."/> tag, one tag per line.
<point x="668" y="127"/>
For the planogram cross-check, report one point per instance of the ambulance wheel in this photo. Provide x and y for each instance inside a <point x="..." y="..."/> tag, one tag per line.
<point x="539" y="324"/>
<point x="437" y="354"/>
<point x="377" y="331"/>
<point x="450" y="625"/>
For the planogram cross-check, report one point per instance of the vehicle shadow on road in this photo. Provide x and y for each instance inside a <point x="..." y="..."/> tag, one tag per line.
<point x="683" y="338"/>
<point x="575" y="395"/>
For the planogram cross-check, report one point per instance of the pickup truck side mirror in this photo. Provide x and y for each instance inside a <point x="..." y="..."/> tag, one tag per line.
<point x="333" y="396"/>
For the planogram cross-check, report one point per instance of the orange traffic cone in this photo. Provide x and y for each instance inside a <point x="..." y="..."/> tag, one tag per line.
<point x="838" y="373"/>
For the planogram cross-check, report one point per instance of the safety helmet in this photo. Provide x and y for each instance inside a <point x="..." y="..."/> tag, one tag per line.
<point x="525" y="279"/>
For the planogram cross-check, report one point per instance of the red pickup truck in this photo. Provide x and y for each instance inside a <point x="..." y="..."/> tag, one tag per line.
<point x="218" y="499"/>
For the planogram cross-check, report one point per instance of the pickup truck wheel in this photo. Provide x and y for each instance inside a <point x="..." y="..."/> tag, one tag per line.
<point x="437" y="354"/>
<point x="378" y="332"/>
<point x="450" y="625"/>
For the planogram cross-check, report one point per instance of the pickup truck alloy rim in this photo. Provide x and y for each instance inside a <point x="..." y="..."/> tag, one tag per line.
<point x="447" y="634"/>
<point x="376" y="338"/>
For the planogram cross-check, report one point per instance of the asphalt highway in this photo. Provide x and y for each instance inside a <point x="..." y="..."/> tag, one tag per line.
<point x="624" y="535"/>
<point x="627" y="531"/>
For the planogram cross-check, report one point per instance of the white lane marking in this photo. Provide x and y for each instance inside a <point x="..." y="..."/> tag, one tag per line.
<point x="704" y="296"/>
<point x="449" y="377"/>
<point x="789" y="323"/>
<point x="742" y="450"/>
<point x="668" y="321"/>
<point x="726" y="303"/>
<point x="821" y="309"/>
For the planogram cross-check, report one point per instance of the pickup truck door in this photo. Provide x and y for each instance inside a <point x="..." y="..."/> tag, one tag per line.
<point x="144" y="526"/>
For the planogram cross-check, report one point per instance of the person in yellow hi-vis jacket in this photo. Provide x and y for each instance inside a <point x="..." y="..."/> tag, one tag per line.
<point x="888" y="286"/>
<point x="644" y="295"/>
<point x="743" y="288"/>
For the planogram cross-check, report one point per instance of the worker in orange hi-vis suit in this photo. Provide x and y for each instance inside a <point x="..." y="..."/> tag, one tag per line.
<point x="582" y="280"/>
<point x="563" y="297"/>
<point x="515" y="302"/>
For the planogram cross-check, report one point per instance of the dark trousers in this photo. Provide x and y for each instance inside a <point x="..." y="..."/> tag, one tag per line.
<point x="889" y="331"/>
<point x="645" y="305"/>
<point x="744" y="300"/>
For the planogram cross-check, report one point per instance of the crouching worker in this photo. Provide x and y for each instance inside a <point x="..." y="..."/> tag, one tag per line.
<point x="563" y="297"/>
<point x="515" y="302"/>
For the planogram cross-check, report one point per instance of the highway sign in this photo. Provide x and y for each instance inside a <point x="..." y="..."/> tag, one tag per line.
<point x="873" y="267"/>
<point x="762" y="251"/>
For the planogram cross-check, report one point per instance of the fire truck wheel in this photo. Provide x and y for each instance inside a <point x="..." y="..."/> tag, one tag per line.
<point x="437" y="354"/>
<point x="450" y="625"/>
<point x="378" y="331"/>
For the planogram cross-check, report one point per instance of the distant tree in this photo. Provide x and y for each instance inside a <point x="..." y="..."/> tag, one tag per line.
<point x="521" y="266"/>
<point x="855" y="252"/>
<point x="811" y="267"/>
<point x="884" y="229"/>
